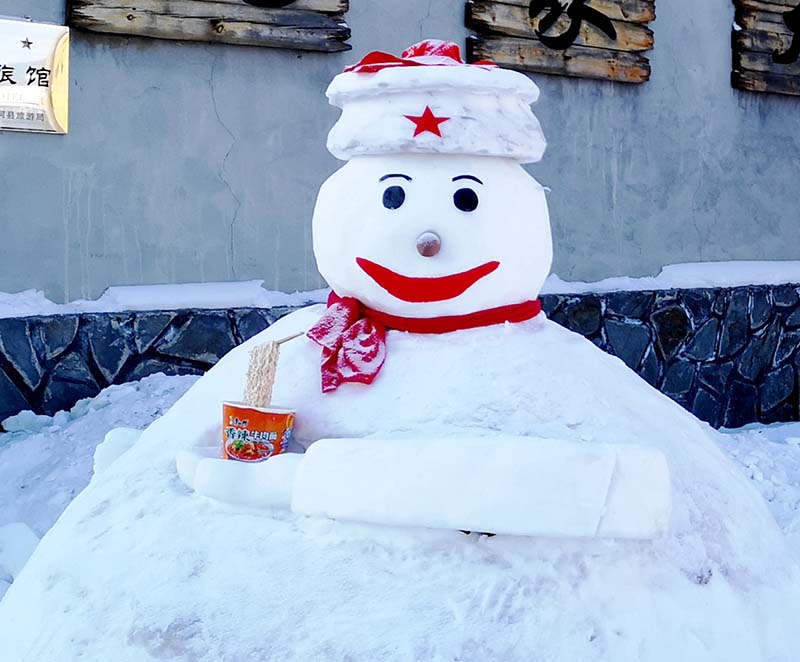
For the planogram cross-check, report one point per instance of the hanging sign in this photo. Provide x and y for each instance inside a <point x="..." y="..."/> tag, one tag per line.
<point x="766" y="46"/>
<point x="34" y="76"/>
<point x="603" y="39"/>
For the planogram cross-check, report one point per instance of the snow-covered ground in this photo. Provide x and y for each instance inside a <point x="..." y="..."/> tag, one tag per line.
<point x="244" y="294"/>
<point x="45" y="461"/>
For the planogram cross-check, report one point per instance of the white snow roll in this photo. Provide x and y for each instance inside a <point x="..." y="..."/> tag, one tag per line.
<point x="265" y="484"/>
<point x="506" y="485"/>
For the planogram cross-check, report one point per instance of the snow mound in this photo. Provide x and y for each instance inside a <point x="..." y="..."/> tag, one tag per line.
<point x="114" y="444"/>
<point x="17" y="543"/>
<point x="46" y="460"/>
<point x="173" y="575"/>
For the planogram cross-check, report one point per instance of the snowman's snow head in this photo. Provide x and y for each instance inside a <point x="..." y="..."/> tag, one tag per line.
<point x="433" y="215"/>
<point x="432" y="235"/>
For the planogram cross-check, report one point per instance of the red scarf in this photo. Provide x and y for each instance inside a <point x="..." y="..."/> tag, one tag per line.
<point x="353" y="337"/>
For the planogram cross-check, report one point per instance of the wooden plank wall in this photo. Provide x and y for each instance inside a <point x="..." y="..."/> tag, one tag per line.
<point x="508" y="36"/>
<point x="766" y="46"/>
<point x="313" y="25"/>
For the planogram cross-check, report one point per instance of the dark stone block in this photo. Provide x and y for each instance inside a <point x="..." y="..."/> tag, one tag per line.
<point x="147" y="327"/>
<point x="787" y="346"/>
<point x="274" y="314"/>
<point x="715" y="376"/>
<point x="776" y="388"/>
<point x="629" y="304"/>
<point x="250" y="323"/>
<point x="782" y="414"/>
<point x="109" y="344"/>
<point x="785" y="296"/>
<point x="720" y="304"/>
<point x="740" y="405"/>
<point x="205" y="337"/>
<point x="550" y="302"/>
<point x="672" y="327"/>
<point x="757" y="356"/>
<point x="152" y="366"/>
<point x="16" y="346"/>
<point x="735" y="326"/>
<point x="583" y="315"/>
<point x="760" y="307"/>
<point x="628" y="341"/>
<point x="698" y="302"/>
<point x="678" y="378"/>
<point x="703" y="346"/>
<point x="70" y="381"/>
<point x="11" y="399"/>
<point x="707" y="407"/>
<point x="793" y="321"/>
<point x="650" y="370"/>
<point x="56" y="334"/>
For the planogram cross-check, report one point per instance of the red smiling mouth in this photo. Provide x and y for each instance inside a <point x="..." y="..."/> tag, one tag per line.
<point x="425" y="290"/>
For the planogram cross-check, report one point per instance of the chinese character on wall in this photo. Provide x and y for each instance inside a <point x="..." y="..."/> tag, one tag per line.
<point x="34" y="72"/>
<point x="604" y="39"/>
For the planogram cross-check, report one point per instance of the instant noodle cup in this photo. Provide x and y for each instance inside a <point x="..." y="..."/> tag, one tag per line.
<point x="255" y="434"/>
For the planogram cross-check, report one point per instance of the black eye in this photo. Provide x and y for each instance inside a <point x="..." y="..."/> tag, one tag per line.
<point x="394" y="197"/>
<point x="465" y="199"/>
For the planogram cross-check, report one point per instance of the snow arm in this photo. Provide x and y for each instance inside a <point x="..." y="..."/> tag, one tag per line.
<point x="503" y="484"/>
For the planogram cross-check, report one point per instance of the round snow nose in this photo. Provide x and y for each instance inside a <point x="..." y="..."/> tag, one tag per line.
<point x="429" y="244"/>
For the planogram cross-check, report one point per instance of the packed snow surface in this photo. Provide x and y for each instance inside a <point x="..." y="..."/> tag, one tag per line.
<point x="245" y="294"/>
<point x="45" y="461"/>
<point x="237" y="294"/>
<point x="172" y="575"/>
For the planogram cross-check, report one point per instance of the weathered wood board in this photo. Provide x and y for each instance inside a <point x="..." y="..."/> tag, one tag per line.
<point x="766" y="46"/>
<point x="603" y="39"/>
<point x="312" y="25"/>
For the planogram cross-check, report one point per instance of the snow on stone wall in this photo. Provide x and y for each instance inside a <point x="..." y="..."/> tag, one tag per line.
<point x="727" y="354"/>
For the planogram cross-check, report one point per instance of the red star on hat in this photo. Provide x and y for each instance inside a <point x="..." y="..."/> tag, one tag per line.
<point x="427" y="122"/>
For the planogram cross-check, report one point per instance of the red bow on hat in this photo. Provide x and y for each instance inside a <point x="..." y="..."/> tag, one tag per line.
<point x="428" y="53"/>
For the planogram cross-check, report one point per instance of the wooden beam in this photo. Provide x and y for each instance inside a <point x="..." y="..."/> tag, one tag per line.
<point x="744" y="60"/>
<point x="781" y="5"/>
<point x="582" y="61"/>
<point x="632" y="11"/>
<point x="214" y="11"/>
<point x="760" y="42"/>
<point x="760" y="5"/>
<point x="756" y="81"/>
<point x="323" y="6"/>
<point x="276" y="28"/>
<point x="512" y="20"/>
<point x="762" y="21"/>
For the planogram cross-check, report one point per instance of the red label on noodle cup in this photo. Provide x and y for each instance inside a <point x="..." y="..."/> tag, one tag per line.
<point x="255" y="434"/>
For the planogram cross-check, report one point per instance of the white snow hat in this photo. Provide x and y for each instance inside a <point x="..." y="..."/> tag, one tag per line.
<point x="430" y="101"/>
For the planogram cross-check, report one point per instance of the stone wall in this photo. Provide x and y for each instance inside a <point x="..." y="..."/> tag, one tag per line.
<point x="728" y="355"/>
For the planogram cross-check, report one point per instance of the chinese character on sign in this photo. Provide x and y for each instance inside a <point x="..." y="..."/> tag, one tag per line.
<point x="6" y="74"/>
<point x="577" y="11"/>
<point x="39" y="76"/>
<point x="792" y="54"/>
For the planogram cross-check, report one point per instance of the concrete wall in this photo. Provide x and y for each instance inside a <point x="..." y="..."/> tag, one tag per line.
<point x="189" y="162"/>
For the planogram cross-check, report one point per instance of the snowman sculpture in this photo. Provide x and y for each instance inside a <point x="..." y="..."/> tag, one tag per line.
<point x="432" y="395"/>
<point x="435" y="242"/>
